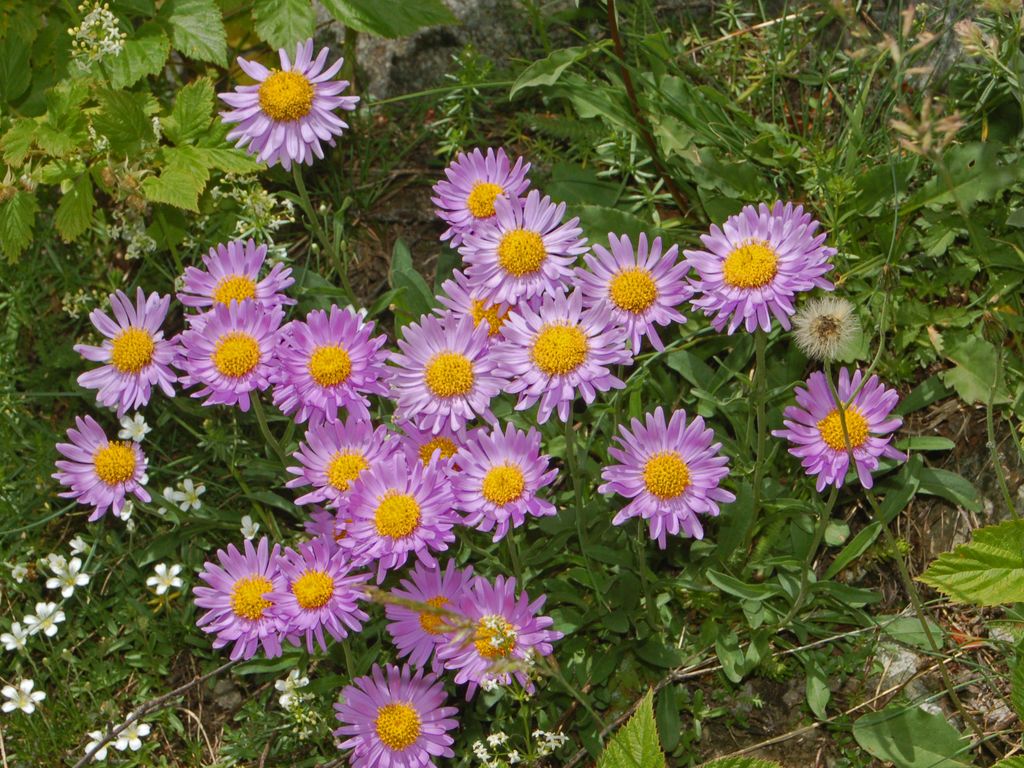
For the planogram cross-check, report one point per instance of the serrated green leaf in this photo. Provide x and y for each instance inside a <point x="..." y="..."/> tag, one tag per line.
<point x="987" y="571"/>
<point x="17" y="219"/>
<point x="181" y="181"/>
<point x="228" y="160"/>
<point x="974" y="374"/>
<point x="636" y="745"/>
<point x="1017" y="685"/>
<point x="546" y="71"/>
<point x="122" y="119"/>
<point x="282" y="23"/>
<point x="144" y="53"/>
<point x="740" y="762"/>
<point x="909" y="737"/>
<point x="74" y="212"/>
<point x="390" y="18"/>
<point x="17" y="142"/>
<point x="1010" y="762"/>
<point x="190" y="116"/>
<point x="197" y="29"/>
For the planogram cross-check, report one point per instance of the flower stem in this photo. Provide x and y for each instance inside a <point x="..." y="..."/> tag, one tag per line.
<point x="261" y="419"/>
<point x="570" y="459"/>
<point x="825" y="515"/>
<point x="640" y="549"/>
<point x="760" y="382"/>
<point x="330" y="246"/>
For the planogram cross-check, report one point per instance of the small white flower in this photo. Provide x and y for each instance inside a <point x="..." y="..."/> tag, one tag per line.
<point x="249" y="528"/>
<point x="78" y="545"/>
<point x="129" y="526"/>
<point x="15" y="639"/>
<point x="289" y="687"/>
<point x="481" y="751"/>
<point x="45" y="619"/>
<point x="19" y="572"/>
<point x="166" y="578"/>
<point x="56" y="563"/>
<point x="187" y="497"/>
<point x="126" y="511"/>
<point x="513" y="757"/>
<point x="490" y="684"/>
<point x="22" y="697"/>
<point x="497" y="739"/>
<point x="97" y="739"/>
<point x="134" y="428"/>
<point x="68" y="578"/>
<point x="131" y="737"/>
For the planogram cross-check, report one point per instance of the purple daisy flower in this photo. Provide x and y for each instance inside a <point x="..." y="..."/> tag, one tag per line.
<point x="395" y="719"/>
<point x="334" y="454"/>
<point x="444" y="375"/>
<point x="418" y="633"/>
<point x="553" y="352"/>
<point x="321" y="594"/>
<point x="462" y="299"/>
<point x="284" y="117"/>
<point x="500" y="475"/>
<point x="397" y="509"/>
<point x="100" y="472"/>
<point x="466" y="200"/>
<point x="135" y="352"/>
<point x="328" y="362"/>
<point x="528" y="252"/>
<point x="671" y="472"/>
<point x="232" y="274"/>
<point x="814" y="428"/>
<point x="506" y="633"/>
<point x="642" y="287"/>
<point x="237" y="599"/>
<point x="231" y="354"/>
<point x="756" y="263"/>
<point x="423" y="445"/>
<point x="329" y="526"/>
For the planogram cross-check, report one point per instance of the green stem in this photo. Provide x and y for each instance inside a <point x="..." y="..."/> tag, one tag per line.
<point x="640" y="549"/>
<point x="329" y="245"/>
<point x="513" y="554"/>
<point x="812" y="553"/>
<point x="570" y="459"/>
<point x="261" y="419"/>
<point x="990" y="429"/>
<point x="556" y="673"/>
<point x="760" y="382"/>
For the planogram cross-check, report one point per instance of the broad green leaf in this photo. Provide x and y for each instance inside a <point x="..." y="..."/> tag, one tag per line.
<point x="734" y="586"/>
<point x="950" y="486"/>
<point x="546" y="71"/>
<point x="74" y="212"/>
<point x="976" y="174"/>
<point x="283" y="23"/>
<point x="604" y="219"/>
<point x="636" y="745"/>
<point x="227" y="160"/>
<point x="668" y="720"/>
<point x="122" y="119"/>
<point x="417" y="298"/>
<point x="740" y="762"/>
<point x="858" y="546"/>
<point x="909" y="631"/>
<point x="987" y="571"/>
<point x="197" y="29"/>
<point x="926" y="443"/>
<point x="17" y="142"/>
<point x="574" y="184"/>
<point x="909" y="737"/>
<point x="15" y="72"/>
<point x="191" y="114"/>
<point x="974" y="377"/>
<point x="817" y="689"/>
<point x="181" y="181"/>
<point x="1010" y="762"/>
<point x="390" y="18"/>
<point x="17" y="219"/>
<point x="144" y="53"/>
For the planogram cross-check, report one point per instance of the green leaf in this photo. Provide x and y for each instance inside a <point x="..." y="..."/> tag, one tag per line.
<point x="282" y="23"/>
<point x="417" y="298"/>
<point x="975" y="172"/>
<point x="974" y="377"/>
<point x="818" y="693"/>
<point x="390" y="18"/>
<point x="926" y="443"/>
<point x="122" y="119"/>
<point x="741" y="589"/>
<point x="741" y="762"/>
<point x="950" y="486"/>
<point x="15" y="70"/>
<point x="987" y="571"/>
<point x="636" y="745"/>
<point x="17" y="142"/>
<point x="546" y="71"/>
<point x="1010" y="762"/>
<point x="191" y="114"/>
<point x="74" y="212"/>
<point x="909" y="631"/>
<point x="227" y="160"/>
<point x="669" y="722"/>
<point x="911" y="738"/>
<point x="197" y="29"/>
<point x="143" y="54"/>
<point x="1017" y="685"/>
<point x="17" y="219"/>
<point x="571" y="183"/>
<point x="181" y="181"/>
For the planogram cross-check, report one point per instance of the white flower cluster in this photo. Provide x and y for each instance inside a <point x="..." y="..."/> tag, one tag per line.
<point x="261" y="212"/>
<point x="187" y="495"/>
<point x="549" y="741"/>
<point x="130" y="738"/>
<point x="97" y="37"/>
<point x="130" y="228"/>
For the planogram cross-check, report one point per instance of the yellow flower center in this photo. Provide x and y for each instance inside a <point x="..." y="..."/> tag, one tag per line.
<point x="449" y="374"/>
<point x="481" y="199"/>
<point x="481" y="311"/>
<point x="234" y="288"/>
<point x="132" y="350"/>
<point x="633" y="290"/>
<point x="329" y="365"/>
<point x="434" y="623"/>
<point x="445" y="444"/>
<point x="495" y="638"/>
<point x="236" y="354"/>
<point x="503" y="484"/>
<point x="114" y="463"/>
<point x="313" y="590"/>
<point x="286" y="96"/>
<point x="666" y="475"/>
<point x="831" y="429"/>
<point x="521" y="252"/>
<point x="397" y="726"/>
<point x="247" y="600"/>
<point x="559" y="349"/>
<point x="751" y="265"/>
<point x="344" y="468"/>
<point x="397" y="515"/>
